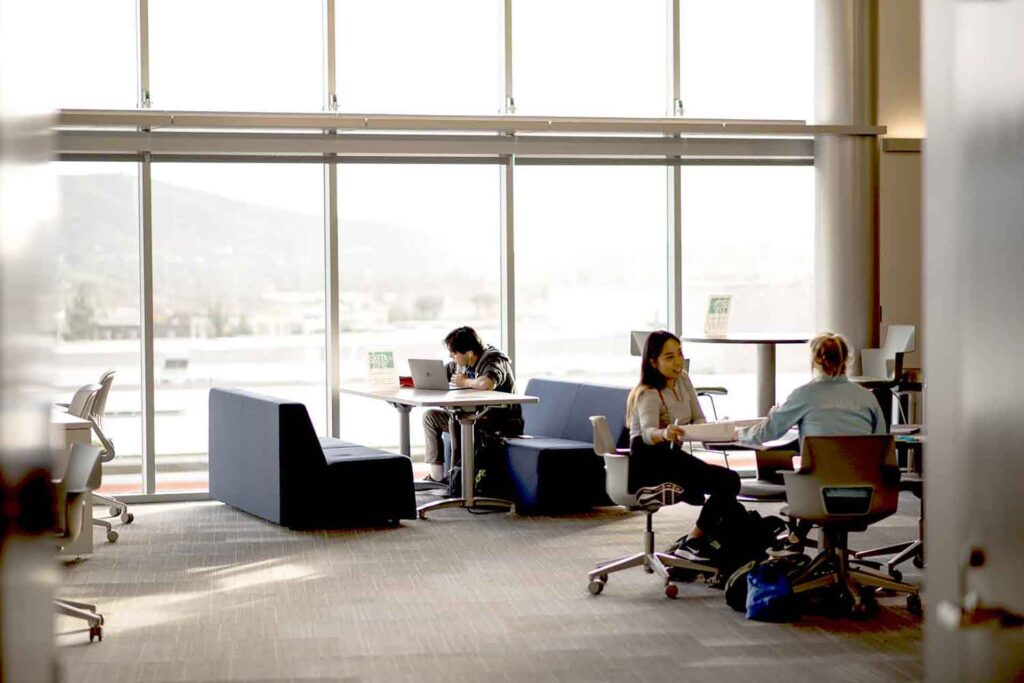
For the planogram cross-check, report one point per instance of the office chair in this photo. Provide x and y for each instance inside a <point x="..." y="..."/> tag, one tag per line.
<point x="82" y="404"/>
<point x="72" y="495"/>
<point x="116" y="507"/>
<point x="844" y="484"/>
<point x="707" y="392"/>
<point x="616" y="464"/>
<point x="911" y="480"/>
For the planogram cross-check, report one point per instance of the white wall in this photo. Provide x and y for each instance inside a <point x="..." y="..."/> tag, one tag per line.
<point x="900" y="110"/>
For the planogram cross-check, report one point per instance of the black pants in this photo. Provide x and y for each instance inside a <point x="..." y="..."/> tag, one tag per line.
<point x="652" y="465"/>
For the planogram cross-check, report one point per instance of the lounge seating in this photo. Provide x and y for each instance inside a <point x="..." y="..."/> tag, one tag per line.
<point x="266" y="459"/>
<point x="553" y="468"/>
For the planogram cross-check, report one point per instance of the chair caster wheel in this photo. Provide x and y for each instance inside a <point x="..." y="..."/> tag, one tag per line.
<point x="918" y="561"/>
<point x="896" y="574"/>
<point x="114" y="510"/>
<point x="671" y="591"/>
<point x="111" y="536"/>
<point x="603" y="578"/>
<point x="96" y="632"/>
<point x="595" y="587"/>
<point x="127" y="517"/>
<point x="914" y="604"/>
<point x="865" y="608"/>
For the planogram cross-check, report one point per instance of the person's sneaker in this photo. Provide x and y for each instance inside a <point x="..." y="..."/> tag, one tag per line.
<point x="662" y="494"/>
<point x="693" y="549"/>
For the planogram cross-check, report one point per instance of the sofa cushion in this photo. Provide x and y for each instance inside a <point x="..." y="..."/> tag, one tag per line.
<point x="548" y="417"/>
<point x="596" y="399"/>
<point x="555" y="475"/>
<point x="330" y="442"/>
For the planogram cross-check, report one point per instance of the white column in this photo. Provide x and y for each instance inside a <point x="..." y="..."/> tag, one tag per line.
<point x="846" y="167"/>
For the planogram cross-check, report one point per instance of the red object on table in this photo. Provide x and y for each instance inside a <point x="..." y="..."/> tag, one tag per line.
<point x="405" y="381"/>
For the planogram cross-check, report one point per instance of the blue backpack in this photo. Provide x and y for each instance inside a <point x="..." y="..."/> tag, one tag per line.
<point x="769" y="593"/>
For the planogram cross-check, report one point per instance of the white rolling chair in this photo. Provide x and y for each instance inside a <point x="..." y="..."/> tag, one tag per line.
<point x="72" y="497"/>
<point x="616" y="465"/>
<point x="116" y="507"/>
<point x="82" y="404"/>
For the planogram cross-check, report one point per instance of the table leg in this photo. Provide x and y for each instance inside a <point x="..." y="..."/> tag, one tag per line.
<point x="467" y="423"/>
<point x="765" y="378"/>
<point x="404" y="443"/>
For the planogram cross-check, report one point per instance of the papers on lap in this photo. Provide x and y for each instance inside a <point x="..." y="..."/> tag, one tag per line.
<point x="715" y="431"/>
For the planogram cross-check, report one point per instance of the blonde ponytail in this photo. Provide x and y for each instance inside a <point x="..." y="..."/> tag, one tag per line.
<point x="829" y="352"/>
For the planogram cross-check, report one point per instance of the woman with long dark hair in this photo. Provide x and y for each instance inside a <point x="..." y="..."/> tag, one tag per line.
<point x="659" y="469"/>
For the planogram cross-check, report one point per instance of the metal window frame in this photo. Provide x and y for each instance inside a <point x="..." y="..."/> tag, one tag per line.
<point x="331" y="138"/>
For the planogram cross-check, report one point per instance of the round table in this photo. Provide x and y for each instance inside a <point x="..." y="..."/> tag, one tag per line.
<point x="765" y="343"/>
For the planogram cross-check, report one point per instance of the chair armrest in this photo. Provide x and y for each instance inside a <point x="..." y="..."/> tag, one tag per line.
<point x="711" y="391"/>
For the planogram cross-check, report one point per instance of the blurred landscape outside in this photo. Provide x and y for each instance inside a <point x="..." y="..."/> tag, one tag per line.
<point x="239" y="283"/>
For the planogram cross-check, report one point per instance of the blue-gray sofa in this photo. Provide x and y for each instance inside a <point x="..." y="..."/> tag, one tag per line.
<point x="554" y="468"/>
<point x="266" y="459"/>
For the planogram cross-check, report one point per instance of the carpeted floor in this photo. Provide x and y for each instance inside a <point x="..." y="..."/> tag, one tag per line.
<point x="203" y="592"/>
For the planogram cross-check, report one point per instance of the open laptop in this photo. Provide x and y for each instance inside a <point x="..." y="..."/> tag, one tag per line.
<point x="428" y="373"/>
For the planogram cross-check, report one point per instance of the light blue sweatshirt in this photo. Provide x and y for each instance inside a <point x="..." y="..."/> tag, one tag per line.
<point x="823" y="406"/>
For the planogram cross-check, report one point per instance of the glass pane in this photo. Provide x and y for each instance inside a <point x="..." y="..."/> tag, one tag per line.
<point x="238" y="298"/>
<point x="236" y="55"/>
<point x="96" y="60"/>
<point x="418" y="257"/>
<point x="590" y="58"/>
<point x="99" y="318"/>
<point x="748" y="232"/>
<point x="747" y="59"/>
<point x="591" y="264"/>
<point x="409" y="56"/>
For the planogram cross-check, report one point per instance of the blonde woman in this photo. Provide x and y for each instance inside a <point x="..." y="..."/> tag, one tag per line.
<point x="829" y="404"/>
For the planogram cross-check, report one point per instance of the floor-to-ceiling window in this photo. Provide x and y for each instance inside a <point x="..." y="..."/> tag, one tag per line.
<point x="239" y="273"/>
<point x="418" y="256"/>
<point x="238" y="298"/>
<point x="587" y="58"/>
<point x="591" y="255"/>
<point x="748" y="231"/>
<point x="236" y="55"/>
<point x="98" y="316"/>
<point x="747" y="59"/>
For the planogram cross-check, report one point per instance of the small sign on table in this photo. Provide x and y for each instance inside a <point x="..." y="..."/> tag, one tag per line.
<point x="380" y="369"/>
<point x="716" y="322"/>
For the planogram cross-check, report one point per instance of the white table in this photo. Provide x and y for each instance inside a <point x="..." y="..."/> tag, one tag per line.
<point x="67" y="430"/>
<point x="765" y="343"/>
<point x="466" y="405"/>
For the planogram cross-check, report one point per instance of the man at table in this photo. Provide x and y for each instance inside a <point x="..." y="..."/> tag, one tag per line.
<point x="475" y="366"/>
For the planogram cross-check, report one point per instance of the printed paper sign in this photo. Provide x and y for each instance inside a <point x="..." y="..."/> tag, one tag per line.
<point x="381" y="372"/>
<point x="716" y="322"/>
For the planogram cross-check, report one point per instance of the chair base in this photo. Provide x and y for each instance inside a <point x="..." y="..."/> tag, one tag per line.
<point x="477" y="502"/>
<point x="84" y="611"/>
<point x="834" y="568"/>
<point x="652" y="561"/>
<point x="117" y="508"/>
<point x="901" y="552"/>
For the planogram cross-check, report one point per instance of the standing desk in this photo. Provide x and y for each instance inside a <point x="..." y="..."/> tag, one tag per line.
<point x="466" y="405"/>
<point x="765" y="343"/>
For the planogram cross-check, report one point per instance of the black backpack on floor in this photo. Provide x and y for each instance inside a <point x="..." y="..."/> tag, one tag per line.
<point x="739" y="536"/>
<point x="491" y="463"/>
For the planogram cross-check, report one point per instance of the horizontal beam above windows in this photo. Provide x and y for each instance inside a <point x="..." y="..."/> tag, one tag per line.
<point x="156" y="120"/>
<point x="348" y="146"/>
